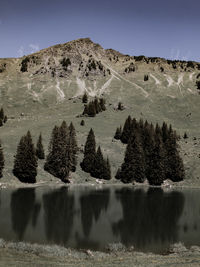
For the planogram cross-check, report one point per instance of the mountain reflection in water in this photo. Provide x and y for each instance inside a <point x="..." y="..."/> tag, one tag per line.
<point x="86" y="217"/>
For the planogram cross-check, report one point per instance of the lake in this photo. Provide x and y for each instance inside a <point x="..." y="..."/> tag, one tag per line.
<point x="83" y="217"/>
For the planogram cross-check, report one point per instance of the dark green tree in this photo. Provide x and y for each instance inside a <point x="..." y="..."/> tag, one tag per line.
<point x="133" y="168"/>
<point x="98" y="168"/>
<point x="118" y="133"/>
<point x="173" y="165"/>
<point x="127" y="130"/>
<point x="2" y="114"/>
<point x="85" y="98"/>
<point x="107" y="170"/>
<point x="102" y="103"/>
<point x="156" y="170"/>
<point x="2" y="161"/>
<point x="39" y="148"/>
<point x="57" y="159"/>
<point x="82" y="123"/>
<point x="25" y="164"/>
<point x="89" y="152"/>
<point x="72" y="148"/>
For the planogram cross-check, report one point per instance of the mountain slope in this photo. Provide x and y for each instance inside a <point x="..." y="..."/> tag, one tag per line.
<point x="46" y="88"/>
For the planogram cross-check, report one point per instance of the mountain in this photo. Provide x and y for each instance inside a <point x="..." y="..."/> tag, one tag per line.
<point x="40" y="90"/>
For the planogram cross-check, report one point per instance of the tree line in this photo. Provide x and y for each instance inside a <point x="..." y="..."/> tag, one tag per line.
<point x="151" y="153"/>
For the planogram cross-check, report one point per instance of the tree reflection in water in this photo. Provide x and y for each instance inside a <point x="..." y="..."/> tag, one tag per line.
<point x="23" y="209"/>
<point x="148" y="218"/>
<point x="58" y="215"/>
<point x="92" y="204"/>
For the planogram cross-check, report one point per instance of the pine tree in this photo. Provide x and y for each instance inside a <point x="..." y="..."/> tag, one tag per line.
<point x="118" y="174"/>
<point x="97" y="105"/>
<point x="102" y="104"/>
<point x="107" y="170"/>
<point x="185" y="136"/>
<point x="173" y="164"/>
<point x="91" y="109"/>
<point x="82" y="123"/>
<point x="85" y="98"/>
<point x="98" y="168"/>
<point x="72" y="148"/>
<point x="2" y="161"/>
<point x="127" y="130"/>
<point x="1" y="122"/>
<point x="156" y="170"/>
<point x="25" y="164"/>
<point x="133" y="168"/>
<point x="118" y="133"/>
<point x="165" y="132"/>
<point x="89" y="153"/>
<point x="39" y="148"/>
<point x="2" y="114"/>
<point x="57" y="159"/>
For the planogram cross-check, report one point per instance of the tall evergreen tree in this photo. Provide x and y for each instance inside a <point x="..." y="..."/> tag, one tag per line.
<point x="98" y="168"/>
<point x="72" y="148"/>
<point x="107" y="170"/>
<point x="25" y="164"/>
<point x="39" y="148"/>
<point x="127" y="130"/>
<point x="173" y="164"/>
<point x="156" y="170"/>
<point x="89" y="152"/>
<point x="2" y="114"/>
<point x="118" y="133"/>
<point x="57" y="159"/>
<point x="102" y="104"/>
<point x="133" y="168"/>
<point x="2" y="161"/>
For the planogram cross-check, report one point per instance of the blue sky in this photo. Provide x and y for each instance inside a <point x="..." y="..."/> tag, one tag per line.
<point x="167" y="29"/>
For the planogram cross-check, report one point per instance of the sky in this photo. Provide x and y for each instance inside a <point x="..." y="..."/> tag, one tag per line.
<point x="169" y="29"/>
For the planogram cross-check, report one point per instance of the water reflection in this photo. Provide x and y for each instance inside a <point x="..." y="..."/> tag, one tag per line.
<point x="92" y="204"/>
<point x="92" y="218"/>
<point x="23" y="209"/>
<point x="58" y="215"/>
<point x="148" y="218"/>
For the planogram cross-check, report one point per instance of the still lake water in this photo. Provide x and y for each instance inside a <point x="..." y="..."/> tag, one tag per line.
<point x="88" y="217"/>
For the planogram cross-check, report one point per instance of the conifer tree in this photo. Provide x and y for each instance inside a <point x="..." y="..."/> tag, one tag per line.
<point x="25" y="164"/>
<point x="173" y="164"/>
<point x="98" y="168"/>
<point x="1" y="122"/>
<point x="89" y="153"/>
<point x="118" y="133"/>
<point x="107" y="170"/>
<point x="57" y="159"/>
<point x="133" y="167"/>
<point x="91" y="109"/>
<point x="82" y="123"/>
<point x="102" y="103"/>
<point x="97" y="106"/>
<point x="85" y="98"/>
<point x="72" y="148"/>
<point x="39" y="148"/>
<point x="118" y="174"/>
<point x="2" y="114"/>
<point x="127" y="130"/>
<point x="2" y="161"/>
<point x="156" y="170"/>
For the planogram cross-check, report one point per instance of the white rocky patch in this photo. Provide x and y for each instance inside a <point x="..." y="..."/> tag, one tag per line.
<point x="132" y="83"/>
<point x="155" y="79"/>
<point x="169" y="80"/>
<point x="191" y="76"/>
<point x="60" y="93"/>
<point x="106" y="85"/>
